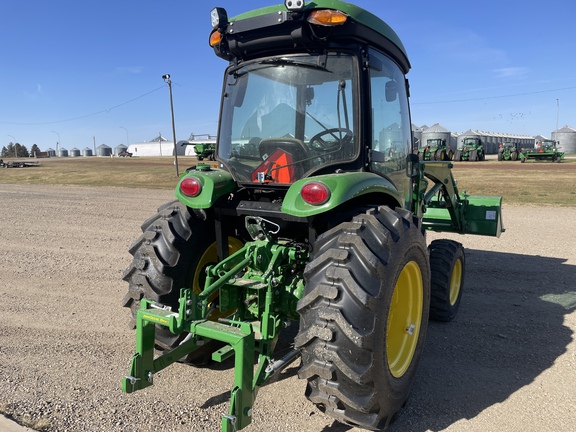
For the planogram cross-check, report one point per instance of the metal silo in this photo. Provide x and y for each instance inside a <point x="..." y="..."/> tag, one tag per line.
<point x="119" y="149"/>
<point x="63" y="152"/>
<point x="566" y="137"/>
<point x="468" y="133"/>
<point x="74" y="152"/>
<point x="416" y="136"/>
<point x="436" y="131"/>
<point x="87" y="152"/>
<point x="103" y="150"/>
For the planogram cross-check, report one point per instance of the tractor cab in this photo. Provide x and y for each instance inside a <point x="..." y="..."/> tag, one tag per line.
<point x="297" y="103"/>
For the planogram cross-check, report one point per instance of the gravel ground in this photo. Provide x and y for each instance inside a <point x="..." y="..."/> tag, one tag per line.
<point x="508" y="361"/>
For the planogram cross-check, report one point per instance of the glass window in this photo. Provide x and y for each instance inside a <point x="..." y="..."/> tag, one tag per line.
<point x="391" y="130"/>
<point x="284" y="117"/>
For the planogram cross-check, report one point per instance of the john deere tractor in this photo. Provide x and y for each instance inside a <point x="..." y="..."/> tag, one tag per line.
<point x="436" y="149"/>
<point x="508" y="151"/>
<point x="471" y="149"/>
<point x="314" y="214"/>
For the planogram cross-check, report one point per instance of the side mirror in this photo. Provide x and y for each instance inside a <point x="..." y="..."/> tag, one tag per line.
<point x="391" y="91"/>
<point x="412" y="165"/>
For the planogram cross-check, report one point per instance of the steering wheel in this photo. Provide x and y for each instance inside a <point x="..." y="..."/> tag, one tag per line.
<point x="318" y="143"/>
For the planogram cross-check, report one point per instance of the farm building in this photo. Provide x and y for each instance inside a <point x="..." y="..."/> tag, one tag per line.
<point x="158" y="146"/>
<point x="119" y="149"/>
<point x="436" y="131"/>
<point x="417" y="135"/>
<point x="566" y="137"/>
<point x="492" y="140"/>
<point x="103" y="150"/>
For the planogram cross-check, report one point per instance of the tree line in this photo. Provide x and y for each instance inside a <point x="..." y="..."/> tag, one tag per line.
<point x="18" y="150"/>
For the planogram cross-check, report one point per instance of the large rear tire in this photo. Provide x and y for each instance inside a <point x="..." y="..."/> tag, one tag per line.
<point x="447" y="267"/>
<point x="364" y="317"/>
<point x="176" y="246"/>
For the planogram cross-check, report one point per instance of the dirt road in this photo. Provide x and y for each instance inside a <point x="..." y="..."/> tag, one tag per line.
<point x="507" y="363"/>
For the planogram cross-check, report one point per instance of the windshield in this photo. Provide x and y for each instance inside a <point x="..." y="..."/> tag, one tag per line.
<point x="285" y="117"/>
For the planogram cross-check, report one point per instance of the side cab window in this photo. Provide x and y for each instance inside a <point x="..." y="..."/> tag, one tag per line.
<point x="391" y="129"/>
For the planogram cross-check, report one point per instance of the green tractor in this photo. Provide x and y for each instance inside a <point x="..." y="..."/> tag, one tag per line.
<point x="508" y="151"/>
<point x="545" y="150"/>
<point x="204" y="146"/>
<point x="315" y="217"/>
<point x="436" y="149"/>
<point x="471" y="149"/>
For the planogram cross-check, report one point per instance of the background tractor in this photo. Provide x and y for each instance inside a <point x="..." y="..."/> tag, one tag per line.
<point x="314" y="215"/>
<point x="436" y="149"/>
<point x="545" y="150"/>
<point x="508" y="151"/>
<point x="471" y="149"/>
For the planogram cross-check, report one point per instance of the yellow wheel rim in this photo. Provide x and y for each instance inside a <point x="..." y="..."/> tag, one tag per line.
<point x="455" y="282"/>
<point x="404" y="319"/>
<point x="210" y="257"/>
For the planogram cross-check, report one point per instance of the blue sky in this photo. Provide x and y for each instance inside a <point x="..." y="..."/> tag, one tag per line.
<point x="90" y="71"/>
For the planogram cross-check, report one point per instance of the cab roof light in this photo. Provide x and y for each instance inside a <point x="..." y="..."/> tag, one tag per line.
<point x="327" y="17"/>
<point x="218" y="17"/>
<point x="294" y="5"/>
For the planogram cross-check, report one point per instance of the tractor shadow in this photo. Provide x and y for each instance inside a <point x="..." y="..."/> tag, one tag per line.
<point x="509" y="329"/>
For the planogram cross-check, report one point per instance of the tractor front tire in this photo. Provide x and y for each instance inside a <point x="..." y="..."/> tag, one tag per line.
<point x="447" y="267"/>
<point x="176" y="246"/>
<point x="364" y="317"/>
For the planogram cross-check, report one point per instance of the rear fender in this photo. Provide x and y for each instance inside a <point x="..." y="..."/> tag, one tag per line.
<point x="215" y="184"/>
<point x="342" y="187"/>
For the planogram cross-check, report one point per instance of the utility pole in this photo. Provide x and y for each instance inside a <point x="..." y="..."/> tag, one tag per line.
<point x="557" y="114"/>
<point x="167" y="80"/>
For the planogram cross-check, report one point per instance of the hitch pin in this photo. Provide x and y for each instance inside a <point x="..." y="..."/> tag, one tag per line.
<point x="161" y="307"/>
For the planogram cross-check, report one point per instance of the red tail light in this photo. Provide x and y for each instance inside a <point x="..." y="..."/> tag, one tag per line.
<point x="191" y="186"/>
<point x="315" y="193"/>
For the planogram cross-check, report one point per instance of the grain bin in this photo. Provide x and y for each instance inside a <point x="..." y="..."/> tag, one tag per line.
<point x="436" y="131"/>
<point x="74" y="152"/>
<point x="566" y="137"/>
<point x="103" y="150"/>
<point x="416" y="136"/>
<point x="87" y="152"/>
<point x="120" y="148"/>
<point x="468" y="133"/>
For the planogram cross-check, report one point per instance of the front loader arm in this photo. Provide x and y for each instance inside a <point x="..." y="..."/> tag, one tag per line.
<point x="443" y="209"/>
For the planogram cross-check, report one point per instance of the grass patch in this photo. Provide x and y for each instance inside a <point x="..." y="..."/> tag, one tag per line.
<point x="534" y="183"/>
<point x="149" y="173"/>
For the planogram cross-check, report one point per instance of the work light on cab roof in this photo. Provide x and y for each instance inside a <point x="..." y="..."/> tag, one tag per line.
<point x="323" y="17"/>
